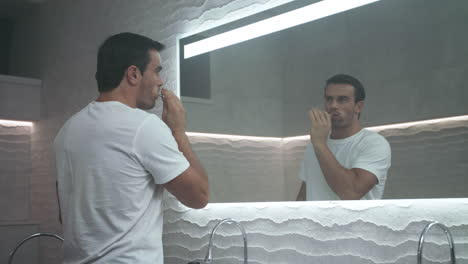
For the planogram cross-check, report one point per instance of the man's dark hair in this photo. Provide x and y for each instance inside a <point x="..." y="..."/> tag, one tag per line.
<point x="359" y="93"/>
<point x="117" y="53"/>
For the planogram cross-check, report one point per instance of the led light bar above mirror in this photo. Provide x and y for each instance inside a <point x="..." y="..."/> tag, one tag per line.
<point x="270" y="25"/>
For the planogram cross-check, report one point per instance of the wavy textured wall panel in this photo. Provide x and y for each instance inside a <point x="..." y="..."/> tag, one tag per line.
<point x="15" y="171"/>
<point x="242" y="169"/>
<point x="385" y="231"/>
<point x="428" y="161"/>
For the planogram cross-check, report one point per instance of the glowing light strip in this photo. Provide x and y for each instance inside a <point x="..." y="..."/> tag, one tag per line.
<point x="305" y="137"/>
<point x="233" y="137"/>
<point x="289" y="19"/>
<point x="423" y="122"/>
<point x="350" y="204"/>
<point x="15" y="123"/>
<point x="297" y="138"/>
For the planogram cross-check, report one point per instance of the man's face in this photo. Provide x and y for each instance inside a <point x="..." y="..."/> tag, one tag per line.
<point x="340" y="104"/>
<point x="150" y="83"/>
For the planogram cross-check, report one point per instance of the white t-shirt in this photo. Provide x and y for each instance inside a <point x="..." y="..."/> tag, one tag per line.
<point x="365" y="150"/>
<point x="111" y="161"/>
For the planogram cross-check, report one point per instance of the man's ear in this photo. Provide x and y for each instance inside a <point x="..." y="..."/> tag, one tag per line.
<point x="133" y="75"/>
<point x="358" y="108"/>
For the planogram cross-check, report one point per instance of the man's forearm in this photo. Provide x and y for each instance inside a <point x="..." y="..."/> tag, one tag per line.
<point x="338" y="178"/>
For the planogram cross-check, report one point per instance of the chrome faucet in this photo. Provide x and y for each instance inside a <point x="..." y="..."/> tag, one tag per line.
<point x="12" y="254"/>
<point x="209" y="257"/>
<point x="449" y="238"/>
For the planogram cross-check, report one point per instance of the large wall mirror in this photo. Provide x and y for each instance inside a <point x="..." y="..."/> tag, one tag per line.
<point x="412" y="57"/>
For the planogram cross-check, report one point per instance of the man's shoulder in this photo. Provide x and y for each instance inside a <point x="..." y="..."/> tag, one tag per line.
<point x="73" y="120"/>
<point x="74" y="117"/>
<point x="150" y="119"/>
<point x="371" y="138"/>
<point x="134" y="117"/>
<point x="135" y="113"/>
<point x="372" y="135"/>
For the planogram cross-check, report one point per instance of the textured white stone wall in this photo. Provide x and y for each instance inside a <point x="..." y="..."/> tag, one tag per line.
<point x="15" y="176"/>
<point x="15" y="172"/>
<point x="428" y="161"/>
<point x="242" y="169"/>
<point x="385" y="231"/>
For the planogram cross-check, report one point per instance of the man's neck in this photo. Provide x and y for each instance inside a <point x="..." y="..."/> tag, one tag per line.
<point x="116" y="95"/>
<point x="345" y="132"/>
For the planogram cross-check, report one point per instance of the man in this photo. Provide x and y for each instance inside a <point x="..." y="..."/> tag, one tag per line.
<point x="114" y="160"/>
<point x="343" y="160"/>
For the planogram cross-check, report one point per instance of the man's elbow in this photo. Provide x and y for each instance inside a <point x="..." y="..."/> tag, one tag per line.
<point x="350" y="195"/>
<point x="199" y="197"/>
<point x="203" y="197"/>
<point x="199" y="202"/>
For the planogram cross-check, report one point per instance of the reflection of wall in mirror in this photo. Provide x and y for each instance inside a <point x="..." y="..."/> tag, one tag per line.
<point x="410" y="56"/>
<point x="428" y="161"/>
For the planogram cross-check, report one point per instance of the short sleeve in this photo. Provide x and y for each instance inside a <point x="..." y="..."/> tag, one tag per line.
<point x="374" y="156"/>
<point x="64" y="176"/>
<point x="158" y="151"/>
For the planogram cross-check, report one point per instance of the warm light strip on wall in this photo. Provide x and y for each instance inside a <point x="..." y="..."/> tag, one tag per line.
<point x="357" y="205"/>
<point x="15" y="123"/>
<point x="297" y="138"/>
<point x="423" y="122"/>
<point x="290" y="19"/>
<point x="305" y="137"/>
<point x="299" y="204"/>
<point x="232" y="137"/>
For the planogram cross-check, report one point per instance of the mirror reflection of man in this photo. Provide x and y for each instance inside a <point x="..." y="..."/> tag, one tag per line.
<point x="343" y="160"/>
